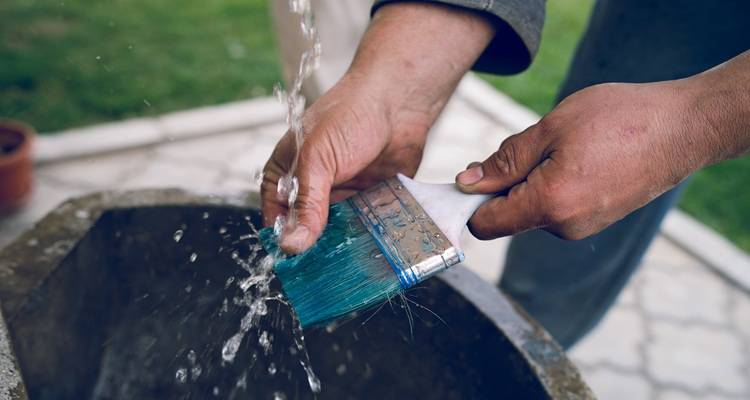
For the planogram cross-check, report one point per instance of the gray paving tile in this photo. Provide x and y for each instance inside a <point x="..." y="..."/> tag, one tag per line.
<point x="616" y="343"/>
<point x="611" y="385"/>
<point x="697" y="358"/>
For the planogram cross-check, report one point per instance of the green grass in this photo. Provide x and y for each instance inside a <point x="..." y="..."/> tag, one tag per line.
<point x="66" y="64"/>
<point x="72" y="63"/>
<point x="537" y="87"/>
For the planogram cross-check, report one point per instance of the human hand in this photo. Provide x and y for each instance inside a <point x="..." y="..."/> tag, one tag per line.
<point x="373" y="123"/>
<point x="353" y="141"/>
<point x="600" y="154"/>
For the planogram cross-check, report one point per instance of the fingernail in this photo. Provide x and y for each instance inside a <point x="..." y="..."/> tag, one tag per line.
<point x="296" y="240"/>
<point x="471" y="175"/>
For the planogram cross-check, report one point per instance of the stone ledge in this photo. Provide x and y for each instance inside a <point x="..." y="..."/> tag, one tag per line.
<point x="708" y="246"/>
<point x="143" y="132"/>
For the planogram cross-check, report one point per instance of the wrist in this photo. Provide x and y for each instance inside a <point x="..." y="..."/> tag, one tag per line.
<point x="414" y="54"/>
<point x="719" y="106"/>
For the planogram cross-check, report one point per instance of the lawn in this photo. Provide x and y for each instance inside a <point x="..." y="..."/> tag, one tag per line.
<point x="72" y="63"/>
<point x="66" y="64"/>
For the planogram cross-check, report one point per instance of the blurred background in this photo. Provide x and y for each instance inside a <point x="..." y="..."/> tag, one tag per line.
<point x="679" y="330"/>
<point x="67" y="64"/>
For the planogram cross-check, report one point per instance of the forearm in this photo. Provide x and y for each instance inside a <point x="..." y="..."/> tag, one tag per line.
<point x="414" y="54"/>
<point x="720" y="106"/>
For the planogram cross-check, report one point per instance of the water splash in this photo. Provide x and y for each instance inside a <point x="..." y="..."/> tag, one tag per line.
<point x="256" y="293"/>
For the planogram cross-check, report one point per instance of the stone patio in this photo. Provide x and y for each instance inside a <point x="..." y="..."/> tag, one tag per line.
<point x="680" y="330"/>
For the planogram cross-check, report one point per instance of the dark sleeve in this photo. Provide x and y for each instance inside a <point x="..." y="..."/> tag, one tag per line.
<point x="519" y="29"/>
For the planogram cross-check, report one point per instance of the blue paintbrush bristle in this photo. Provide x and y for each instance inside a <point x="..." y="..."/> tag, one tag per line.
<point x="344" y="271"/>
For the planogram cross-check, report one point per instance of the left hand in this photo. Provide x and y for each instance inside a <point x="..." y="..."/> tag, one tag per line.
<point x="602" y="153"/>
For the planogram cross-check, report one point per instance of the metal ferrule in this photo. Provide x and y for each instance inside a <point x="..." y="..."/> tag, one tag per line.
<point x="409" y="239"/>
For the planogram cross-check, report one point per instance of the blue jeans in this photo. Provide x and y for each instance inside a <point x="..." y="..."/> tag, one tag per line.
<point x="568" y="285"/>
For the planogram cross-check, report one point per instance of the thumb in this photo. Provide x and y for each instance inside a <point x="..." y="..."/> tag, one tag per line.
<point x="315" y="173"/>
<point x="517" y="156"/>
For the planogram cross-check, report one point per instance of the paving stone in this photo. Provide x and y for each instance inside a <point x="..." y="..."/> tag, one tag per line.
<point x="215" y="149"/>
<point x="680" y="395"/>
<point x="615" y="341"/>
<point x="461" y="124"/>
<point x="100" y="172"/>
<point x="250" y="160"/>
<point x="696" y="357"/>
<point x="165" y="174"/>
<point x="610" y="385"/>
<point x="236" y="184"/>
<point x="685" y="295"/>
<point x="485" y="258"/>
<point x="663" y="252"/>
<point x="627" y="297"/>
<point x="741" y="316"/>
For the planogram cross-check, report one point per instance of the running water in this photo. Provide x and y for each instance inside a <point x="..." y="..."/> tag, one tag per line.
<point x="288" y="185"/>
<point x="256" y="288"/>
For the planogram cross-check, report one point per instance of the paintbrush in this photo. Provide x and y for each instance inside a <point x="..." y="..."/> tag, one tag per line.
<point x="377" y="243"/>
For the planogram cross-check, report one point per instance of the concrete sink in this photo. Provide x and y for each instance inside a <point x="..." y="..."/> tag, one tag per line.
<point x="101" y="302"/>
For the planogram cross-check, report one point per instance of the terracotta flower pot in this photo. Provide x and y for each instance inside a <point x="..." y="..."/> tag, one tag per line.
<point x="15" y="164"/>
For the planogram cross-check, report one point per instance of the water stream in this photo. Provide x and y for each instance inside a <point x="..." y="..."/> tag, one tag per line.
<point x="292" y="97"/>
<point x="256" y="285"/>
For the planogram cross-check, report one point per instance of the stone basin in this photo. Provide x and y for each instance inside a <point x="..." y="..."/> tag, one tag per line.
<point x="101" y="302"/>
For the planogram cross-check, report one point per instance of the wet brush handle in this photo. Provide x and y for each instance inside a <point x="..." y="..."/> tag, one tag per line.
<point x="410" y="240"/>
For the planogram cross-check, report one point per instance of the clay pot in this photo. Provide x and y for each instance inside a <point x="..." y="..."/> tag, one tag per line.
<point x="15" y="164"/>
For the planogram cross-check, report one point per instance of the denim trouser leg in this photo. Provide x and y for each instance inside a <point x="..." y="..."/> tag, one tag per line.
<point x="569" y="285"/>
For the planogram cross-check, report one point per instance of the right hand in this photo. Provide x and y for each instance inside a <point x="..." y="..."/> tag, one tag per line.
<point x="352" y="141"/>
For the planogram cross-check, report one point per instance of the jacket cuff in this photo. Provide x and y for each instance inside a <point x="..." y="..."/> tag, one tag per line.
<point x="518" y="31"/>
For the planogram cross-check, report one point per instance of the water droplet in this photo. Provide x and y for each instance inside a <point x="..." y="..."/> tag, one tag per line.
<point x="222" y="230"/>
<point x="341" y="369"/>
<point x="312" y="380"/>
<point x="193" y="257"/>
<point x="258" y="177"/>
<point x="242" y="382"/>
<point x="192" y="357"/>
<point x="178" y="235"/>
<point x="189" y="288"/>
<point x="279" y="396"/>
<point x="181" y="375"/>
<point x="195" y="372"/>
<point x="216" y="391"/>
<point x="229" y="351"/>
<point x="205" y="215"/>
<point x="278" y="225"/>
<point x="272" y="369"/>
<point x="265" y="342"/>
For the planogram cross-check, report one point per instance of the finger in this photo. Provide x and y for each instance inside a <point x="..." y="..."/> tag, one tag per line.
<point x="517" y="156"/>
<point x="276" y="167"/>
<point x="522" y="209"/>
<point x="315" y="174"/>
